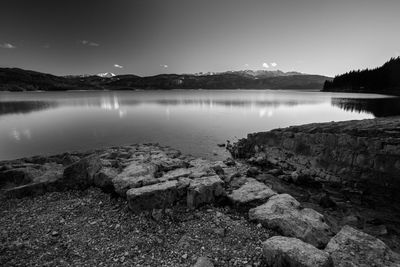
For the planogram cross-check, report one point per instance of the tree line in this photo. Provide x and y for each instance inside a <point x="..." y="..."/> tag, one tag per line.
<point x="384" y="79"/>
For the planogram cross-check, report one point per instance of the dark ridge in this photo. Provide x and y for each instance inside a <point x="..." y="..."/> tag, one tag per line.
<point x="384" y="80"/>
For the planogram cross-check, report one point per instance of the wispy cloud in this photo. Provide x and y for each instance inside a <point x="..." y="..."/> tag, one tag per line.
<point x="164" y="66"/>
<point x="265" y="65"/>
<point x="118" y="66"/>
<point x="274" y="64"/>
<point x="7" y="46"/>
<point x="88" y="43"/>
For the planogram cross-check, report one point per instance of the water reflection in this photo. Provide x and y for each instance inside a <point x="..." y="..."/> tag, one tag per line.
<point x="120" y="101"/>
<point x="379" y="107"/>
<point x="20" y="107"/>
<point x="191" y="121"/>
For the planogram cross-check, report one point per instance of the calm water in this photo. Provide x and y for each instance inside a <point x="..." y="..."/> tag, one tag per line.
<point x="192" y="121"/>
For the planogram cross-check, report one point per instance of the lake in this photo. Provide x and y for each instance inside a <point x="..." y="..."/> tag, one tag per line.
<point x="193" y="121"/>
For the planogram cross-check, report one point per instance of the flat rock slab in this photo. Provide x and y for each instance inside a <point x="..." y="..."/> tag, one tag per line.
<point x="155" y="196"/>
<point x="175" y="174"/>
<point x="351" y="247"/>
<point x="284" y="213"/>
<point x="136" y="174"/>
<point x="204" y="190"/>
<point x="280" y="251"/>
<point x="251" y="192"/>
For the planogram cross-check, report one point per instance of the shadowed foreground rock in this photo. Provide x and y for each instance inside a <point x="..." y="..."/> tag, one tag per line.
<point x="280" y="251"/>
<point x="351" y="247"/>
<point x="151" y="178"/>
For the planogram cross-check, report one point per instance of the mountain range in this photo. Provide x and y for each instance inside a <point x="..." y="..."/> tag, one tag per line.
<point x="15" y="79"/>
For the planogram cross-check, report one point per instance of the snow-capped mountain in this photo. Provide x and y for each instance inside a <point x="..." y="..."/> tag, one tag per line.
<point x="106" y="75"/>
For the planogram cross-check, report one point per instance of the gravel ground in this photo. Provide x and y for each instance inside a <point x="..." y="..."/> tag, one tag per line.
<point x="90" y="228"/>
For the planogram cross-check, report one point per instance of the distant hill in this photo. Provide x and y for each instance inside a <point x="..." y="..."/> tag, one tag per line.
<point x="14" y="79"/>
<point x="385" y="80"/>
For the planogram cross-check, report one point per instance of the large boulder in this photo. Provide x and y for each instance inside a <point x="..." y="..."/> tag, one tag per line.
<point x="104" y="179"/>
<point x="155" y="196"/>
<point x="136" y="174"/>
<point x="280" y="251"/>
<point x="204" y="190"/>
<point x="251" y="192"/>
<point x="285" y="214"/>
<point x="351" y="247"/>
<point x="50" y="172"/>
<point x="79" y="175"/>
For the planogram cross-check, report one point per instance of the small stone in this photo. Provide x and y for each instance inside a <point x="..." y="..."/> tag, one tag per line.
<point x="229" y="162"/>
<point x="184" y="256"/>
<point x="54" y="233"/>
<point x="327" y="202"/>
<point x="252" y="172"/>
<point x="203" y="262"/>
<point x="218" y="170"/>
<point x="220" y="232"/>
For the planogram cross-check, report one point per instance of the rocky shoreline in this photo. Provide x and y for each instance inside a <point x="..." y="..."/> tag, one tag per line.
<point x="302" y="220"/>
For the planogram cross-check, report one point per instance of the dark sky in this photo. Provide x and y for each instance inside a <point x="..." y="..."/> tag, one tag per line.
<point x="148" y="37"/>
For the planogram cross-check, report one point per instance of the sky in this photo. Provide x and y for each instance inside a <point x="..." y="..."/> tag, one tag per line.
<point x="148" y="37"/>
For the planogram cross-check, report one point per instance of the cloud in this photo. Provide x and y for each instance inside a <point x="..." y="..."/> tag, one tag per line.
<point x="274" y="64"/>
<point x="88" y="43"/>
<point x="7" y="46"/>
<point x="118" y="66"/>
<point x="164" y="66"/>
<point x="246" y="65"/>
<point x="265" y="65"/>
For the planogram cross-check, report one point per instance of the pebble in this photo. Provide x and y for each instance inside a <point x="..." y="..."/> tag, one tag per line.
<point x="54" y="233"/>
